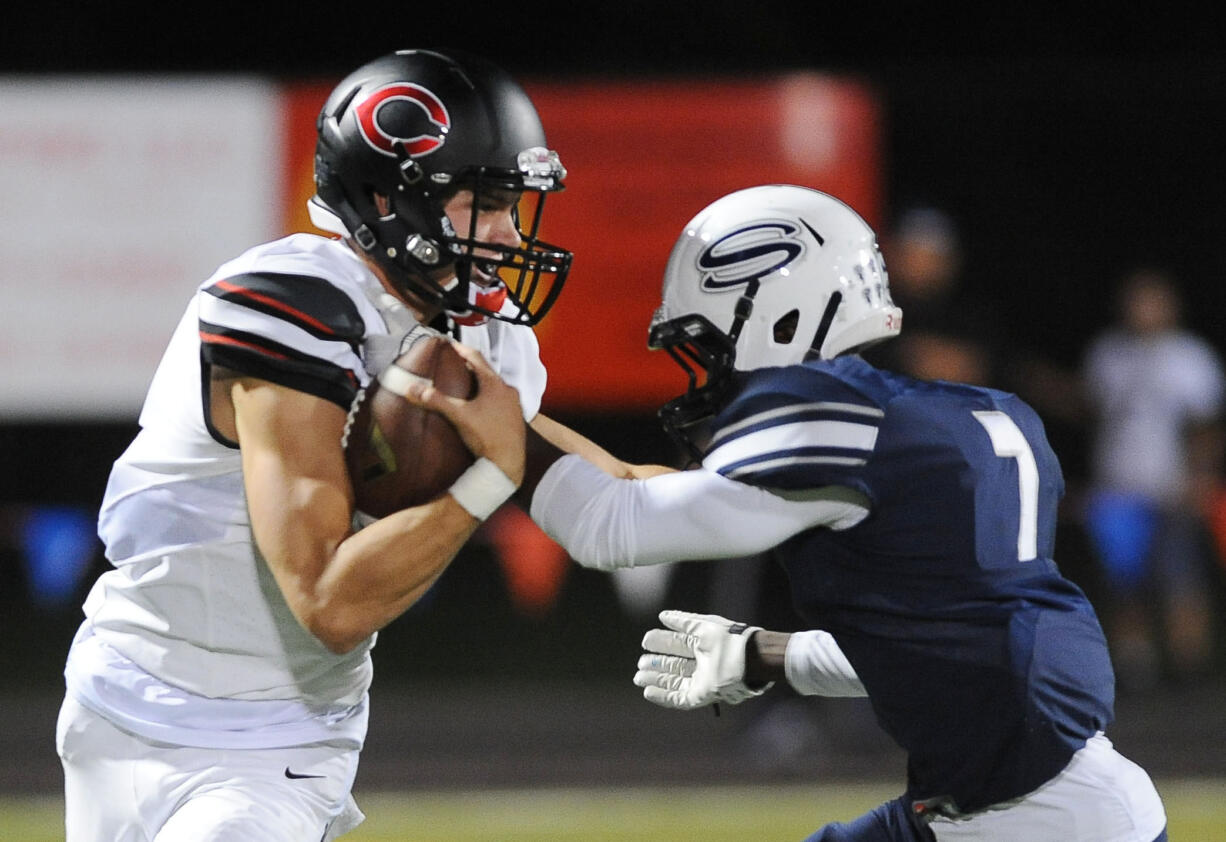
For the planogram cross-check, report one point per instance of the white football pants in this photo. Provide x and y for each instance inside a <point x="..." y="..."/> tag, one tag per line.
<point x="122" y="788"/>
<point x="1100" y="795"/>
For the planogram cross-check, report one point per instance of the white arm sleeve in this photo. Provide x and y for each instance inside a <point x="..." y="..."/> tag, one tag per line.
<point x="816" y="666"/>
<point x="606" y="523"/>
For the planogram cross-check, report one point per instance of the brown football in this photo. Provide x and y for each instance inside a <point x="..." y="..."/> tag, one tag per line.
<point x="398" y="454"/>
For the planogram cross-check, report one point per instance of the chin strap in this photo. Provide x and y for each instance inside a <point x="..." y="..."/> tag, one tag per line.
<point x="823" y="327"/>
<point x="743" y="310"/>
<point x="346" y="223"/>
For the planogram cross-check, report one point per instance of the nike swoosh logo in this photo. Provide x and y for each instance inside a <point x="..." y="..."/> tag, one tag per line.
<point x="294" y="776"/>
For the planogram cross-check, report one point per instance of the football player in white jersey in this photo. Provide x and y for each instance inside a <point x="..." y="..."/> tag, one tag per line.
<point x="217" y="689"/>
<point x="915" y="520"/>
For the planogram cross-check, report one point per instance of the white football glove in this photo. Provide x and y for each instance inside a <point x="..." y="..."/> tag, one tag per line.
<point x="698" y="660"/>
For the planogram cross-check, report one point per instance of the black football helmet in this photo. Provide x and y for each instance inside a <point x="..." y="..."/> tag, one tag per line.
<point x="415" y="127"/>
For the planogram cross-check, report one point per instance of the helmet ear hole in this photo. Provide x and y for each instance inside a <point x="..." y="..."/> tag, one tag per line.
<point x="785" y="327"/>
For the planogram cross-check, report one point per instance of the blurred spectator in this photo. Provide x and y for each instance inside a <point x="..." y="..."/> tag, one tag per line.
<point x="950" y="328"/>
<point x="1155" y="391"/>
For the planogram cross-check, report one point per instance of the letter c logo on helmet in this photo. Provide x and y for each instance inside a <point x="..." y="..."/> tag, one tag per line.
<point x="403" y="113"/>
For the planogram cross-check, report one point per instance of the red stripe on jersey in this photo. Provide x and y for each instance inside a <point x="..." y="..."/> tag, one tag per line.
<point x="280" y="305"/>
<point x="218" y="339"/>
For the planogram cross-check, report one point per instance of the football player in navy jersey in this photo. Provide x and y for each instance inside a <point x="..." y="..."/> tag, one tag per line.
<point x="217" y="689"/>
<point x="915" y="520"/>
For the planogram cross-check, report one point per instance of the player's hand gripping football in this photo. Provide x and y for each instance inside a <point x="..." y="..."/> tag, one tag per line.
<point x="491" y="424"/>
<point x="696" y="660"/>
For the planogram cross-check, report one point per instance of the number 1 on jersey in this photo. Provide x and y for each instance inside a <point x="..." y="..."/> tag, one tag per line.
<point x="1008" y="442"/>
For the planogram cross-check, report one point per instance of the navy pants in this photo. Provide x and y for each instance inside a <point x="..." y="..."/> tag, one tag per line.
<point x="889" y="822"/>
<point x="892" y="821"/>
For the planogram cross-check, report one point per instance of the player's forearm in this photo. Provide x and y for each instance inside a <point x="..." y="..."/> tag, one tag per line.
<point x="380" y="572"/>
<point x="342" y="587"/>
<point x="810" y="661"/>
<point x="549" y="441"/>
<point x="764" y="658"/>
<point x="605" y="522"/>
<point x="561" y="439"/>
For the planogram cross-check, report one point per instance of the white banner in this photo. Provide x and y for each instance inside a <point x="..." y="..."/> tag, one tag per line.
<point x="120" y="195"/>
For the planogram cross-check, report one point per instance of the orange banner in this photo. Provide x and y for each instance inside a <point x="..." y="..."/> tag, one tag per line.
<point x="643" y="158"/>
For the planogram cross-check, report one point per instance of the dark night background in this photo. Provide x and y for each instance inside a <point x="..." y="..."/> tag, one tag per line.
<point x="1068" y="145"/>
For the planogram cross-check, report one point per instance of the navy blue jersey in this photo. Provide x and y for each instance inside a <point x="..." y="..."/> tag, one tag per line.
<point x="986" y="665"/>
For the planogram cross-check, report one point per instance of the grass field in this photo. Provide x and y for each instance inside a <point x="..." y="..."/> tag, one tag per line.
<point x="1196" y="809"/>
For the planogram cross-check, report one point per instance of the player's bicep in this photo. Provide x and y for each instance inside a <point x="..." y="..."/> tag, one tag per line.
<point x="298" y="493"/>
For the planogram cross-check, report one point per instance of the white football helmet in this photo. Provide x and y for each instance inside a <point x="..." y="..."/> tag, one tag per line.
<point x="768" y="276"/>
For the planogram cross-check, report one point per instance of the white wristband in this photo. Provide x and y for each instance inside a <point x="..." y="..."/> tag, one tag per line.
<point x="482" y="488"/>
<point x="816" y="666"/>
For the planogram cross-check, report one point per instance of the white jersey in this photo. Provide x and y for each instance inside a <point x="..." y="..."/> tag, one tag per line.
<point x="190" y="631"/>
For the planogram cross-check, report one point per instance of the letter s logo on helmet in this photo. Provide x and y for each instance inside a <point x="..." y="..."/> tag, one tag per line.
<point x="806" y="280"/>
<point x="748" y="254"/>
<point x="403" y="113"/>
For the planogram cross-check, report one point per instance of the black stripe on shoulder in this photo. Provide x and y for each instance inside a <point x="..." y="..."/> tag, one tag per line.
<point x="258" y="356"/>
<point x="311" y="303"/>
